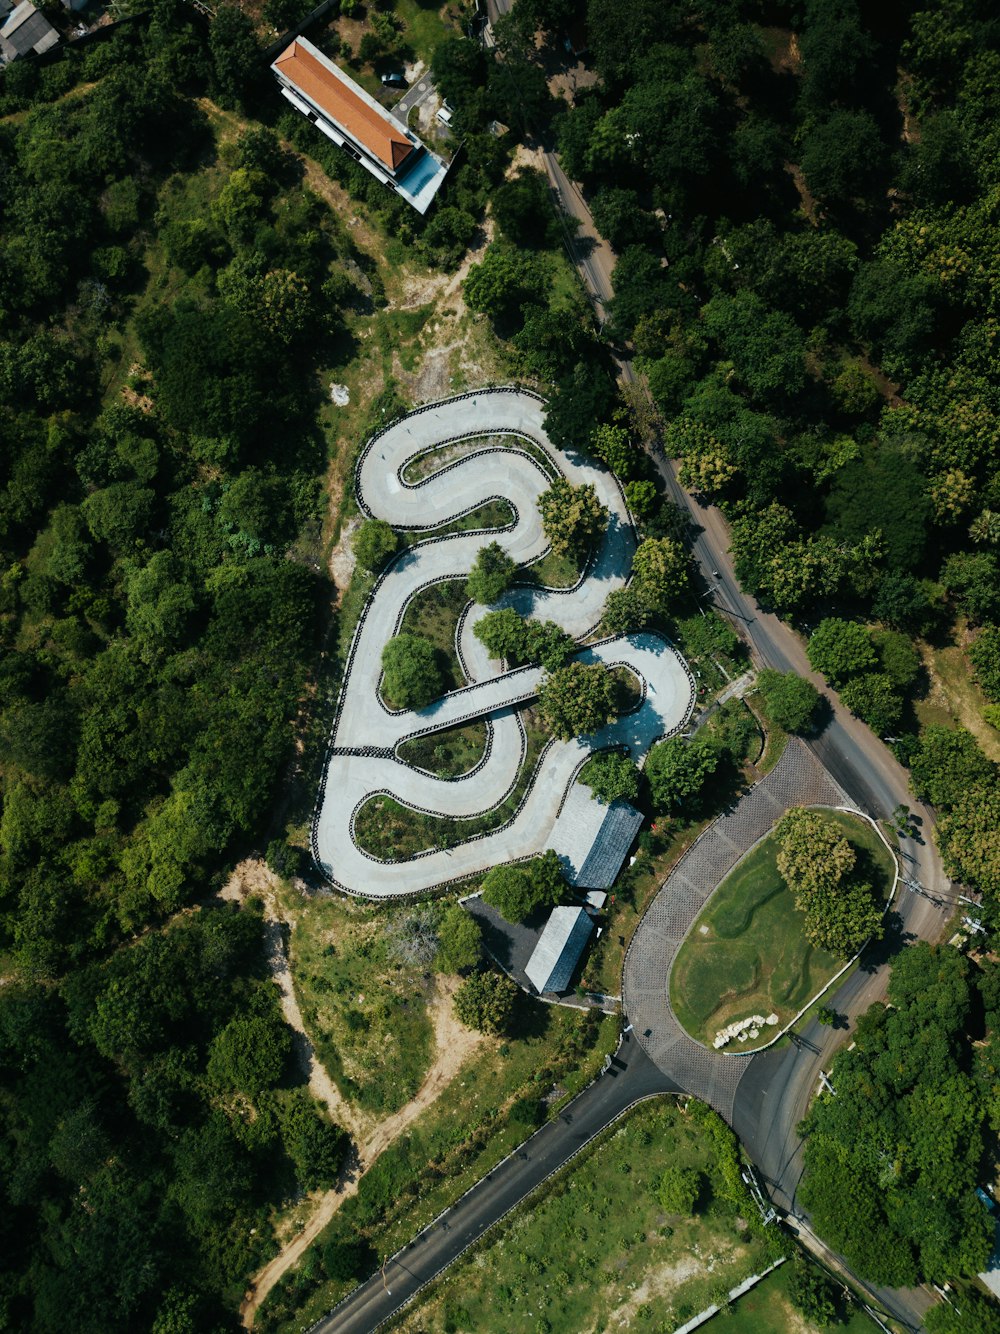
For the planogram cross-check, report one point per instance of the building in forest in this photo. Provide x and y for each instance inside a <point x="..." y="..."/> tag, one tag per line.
<point x="25" y="31"/>
<point x="353" y="119"/>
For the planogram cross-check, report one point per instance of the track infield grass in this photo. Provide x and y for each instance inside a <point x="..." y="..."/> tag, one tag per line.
<point x="747" y="952"/>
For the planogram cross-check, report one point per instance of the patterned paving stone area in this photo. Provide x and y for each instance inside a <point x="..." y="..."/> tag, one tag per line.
<point x="799" y="779"/>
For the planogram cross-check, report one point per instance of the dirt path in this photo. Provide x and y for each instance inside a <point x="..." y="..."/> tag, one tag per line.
<point x="453" y="1044"/>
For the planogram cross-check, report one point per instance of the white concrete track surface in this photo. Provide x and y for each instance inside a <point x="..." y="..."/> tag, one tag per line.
<point x="361" y="760"/>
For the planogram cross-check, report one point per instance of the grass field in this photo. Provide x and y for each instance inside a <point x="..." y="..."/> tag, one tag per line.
<point x="598" y="1252"/>
<point x="448" y="754"/>
<point x="953" y="698"/>
<point x="393" y="832"/>
<point x="365" y="1009"/>
<point x="456" y="1141"/>
<point x="767" y="1309"/>
<point x="747" y="953"/>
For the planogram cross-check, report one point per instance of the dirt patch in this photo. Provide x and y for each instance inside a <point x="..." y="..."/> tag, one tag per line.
<point x="454" y="1044"/>
<point x="809" y="206"/>
<point x="886" y="387"/>
<point x="659" y="1282"/>
<point x="342" y="559"/>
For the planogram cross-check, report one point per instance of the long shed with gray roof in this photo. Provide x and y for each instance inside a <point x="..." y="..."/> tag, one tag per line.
<point x="593" y="839"/>
<point x="559" y="948"/>
<point x="26" y="30"/>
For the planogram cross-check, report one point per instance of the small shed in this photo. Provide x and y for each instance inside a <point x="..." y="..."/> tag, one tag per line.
<point x="26" y="30"/>
<point x="559" y="948"/>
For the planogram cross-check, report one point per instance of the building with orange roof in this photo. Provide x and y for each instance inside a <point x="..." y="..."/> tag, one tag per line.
<point x="349" y="116"/>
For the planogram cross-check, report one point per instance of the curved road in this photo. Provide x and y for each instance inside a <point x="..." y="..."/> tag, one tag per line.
<point x="362" y="760"/>
<point x="632" y="1077"/>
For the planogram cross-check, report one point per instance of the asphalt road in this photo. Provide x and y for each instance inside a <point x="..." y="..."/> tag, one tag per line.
<point x="776" y="1090"/>
<point x="632" y="1078"/>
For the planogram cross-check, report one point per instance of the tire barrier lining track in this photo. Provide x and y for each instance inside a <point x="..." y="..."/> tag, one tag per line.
<point x="362" y="758"/>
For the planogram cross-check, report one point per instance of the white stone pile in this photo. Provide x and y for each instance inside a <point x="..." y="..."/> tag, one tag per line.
<point x="742" y="1029"/>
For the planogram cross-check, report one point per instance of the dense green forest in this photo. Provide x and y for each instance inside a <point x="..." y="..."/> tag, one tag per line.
<point x="803" y="202"/>
<point x="163" y="310"/>
<point x="906" y="1134"/>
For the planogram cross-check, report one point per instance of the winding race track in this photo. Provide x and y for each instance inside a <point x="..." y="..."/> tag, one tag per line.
<point x="362" y="761"/>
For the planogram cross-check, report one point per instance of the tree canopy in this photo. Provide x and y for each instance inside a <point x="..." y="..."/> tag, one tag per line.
<point x="578" y="700"/>
<point x="491" y="575"/>
<point x="572" y="517"/>
<point x="819" y="866"/>
<point x="412" y="677"/>
<point x="522" y="888"/>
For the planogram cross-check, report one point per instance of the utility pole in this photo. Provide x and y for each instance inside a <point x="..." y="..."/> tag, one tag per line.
<point x="767" y="1212"/>
<point x="825" y="1081"/>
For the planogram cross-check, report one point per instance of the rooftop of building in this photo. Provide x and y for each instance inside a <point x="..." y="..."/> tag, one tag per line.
<point x="592" y="839"/>
<point x="345" y="102"/>
<point x="26" y="29"/>
<point x="559" y="948"/>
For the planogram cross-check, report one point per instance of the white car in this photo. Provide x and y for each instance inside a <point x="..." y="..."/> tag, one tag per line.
<point x="445" y="113"/>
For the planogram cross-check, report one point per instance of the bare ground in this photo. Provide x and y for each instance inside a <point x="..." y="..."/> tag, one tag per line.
<point x="453" y="1045"/>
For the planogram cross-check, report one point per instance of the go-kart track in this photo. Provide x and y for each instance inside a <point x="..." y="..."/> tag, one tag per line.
<point x="361" y="761"/>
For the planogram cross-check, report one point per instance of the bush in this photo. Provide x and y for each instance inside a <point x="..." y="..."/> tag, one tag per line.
<point x="679" y="1189"/>
<point x="460" y="941"/>
<point x="374" y="543"/>
<point x="345" y="1260"/>
<point x="485" y="1001"/>
<point x="491" y="575"/>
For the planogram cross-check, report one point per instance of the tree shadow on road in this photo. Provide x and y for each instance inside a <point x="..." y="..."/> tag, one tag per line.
<point x="881" y="952"/>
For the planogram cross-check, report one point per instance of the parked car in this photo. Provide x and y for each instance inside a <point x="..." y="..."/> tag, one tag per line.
<point x="393" y="80"/>
<point x="445" y="113"/>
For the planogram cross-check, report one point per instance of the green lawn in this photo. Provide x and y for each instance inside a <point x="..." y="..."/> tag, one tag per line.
<point x="597" y="1251"/>
<point x="767" y="1309"/>
<point x="747" y="952"/>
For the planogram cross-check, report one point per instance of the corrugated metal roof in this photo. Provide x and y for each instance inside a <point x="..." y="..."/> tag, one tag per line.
<point x="559" y="948"/>
<point x="340" y="98"/>
<point x="610" y="847"/>
<point x="27" y="30"/>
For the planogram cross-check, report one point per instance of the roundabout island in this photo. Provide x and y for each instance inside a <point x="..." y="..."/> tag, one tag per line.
<point x="749" y="964"/>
